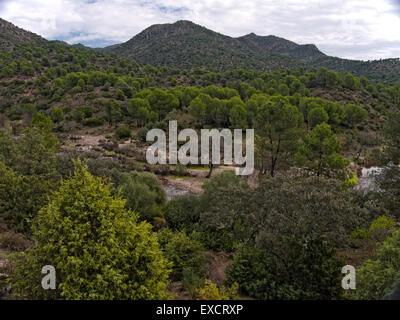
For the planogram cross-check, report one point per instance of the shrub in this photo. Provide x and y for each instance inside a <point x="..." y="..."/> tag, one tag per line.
<point x="210" y="291"/>
<point x="144" y="194"/>
<point x="99" y="249"/>
<point x="57" y="114"/>
<point x="93" y="122"/>
<point x="141" y="134"/>
<point x="305" y="271"/>
<point x="182" y="213"/>
<point x="186" y="253"/>
<point x="375" y="278"/>
<point x="123" y="132"/>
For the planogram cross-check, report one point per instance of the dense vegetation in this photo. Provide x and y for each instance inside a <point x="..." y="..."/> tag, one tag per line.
<point x="101" y="216"/>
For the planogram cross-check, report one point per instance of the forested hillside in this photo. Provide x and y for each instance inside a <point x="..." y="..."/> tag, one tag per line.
<point x="187" y="45"/>
<point x="77" y="192"/>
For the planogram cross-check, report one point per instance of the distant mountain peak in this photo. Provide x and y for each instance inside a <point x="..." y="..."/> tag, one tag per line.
<point x="185" y="22"/>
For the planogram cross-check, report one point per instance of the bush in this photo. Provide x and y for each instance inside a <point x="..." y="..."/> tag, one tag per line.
<point x="305" y="271"/>
<point x="57" y="114"/>
<point x="93" y="122"/>
<point x="182" y="213"/>
<point x="123" y="132"/>
<point x="224" y="208"/>
<point x="375" y="278"/>
<point x="186" y="253"/>
<point x="210" y="291"/>
<point x="141" y="134"/>
<point x="83" y="112"/>
<point x="99" y="249"/>
<point x="144" y="193"/>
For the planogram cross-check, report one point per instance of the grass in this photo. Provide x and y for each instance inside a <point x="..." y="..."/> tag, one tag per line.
<point x="180" y="177"/>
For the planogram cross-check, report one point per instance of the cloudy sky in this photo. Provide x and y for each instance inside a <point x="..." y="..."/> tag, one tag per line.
<point x="356" y="29"/>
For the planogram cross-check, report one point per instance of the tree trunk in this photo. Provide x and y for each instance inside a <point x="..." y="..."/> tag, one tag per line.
<point x="210" y="172"/>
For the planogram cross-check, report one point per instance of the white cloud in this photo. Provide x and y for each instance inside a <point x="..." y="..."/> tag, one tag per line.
<point x="358" y="29"/>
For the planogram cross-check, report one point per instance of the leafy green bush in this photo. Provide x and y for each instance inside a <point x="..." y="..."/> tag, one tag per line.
<point x="144" y="194"/>
<point x="304" y="271"/>
<point x="57" y="114"/>
<point x="375" y="278"/>
<point x="93" y="122"/>
<point x="182" y="213"/>
<point x="123" y="132"/>
<point x="99" y="249"/>
<point x="185" y="252"/>
<point x="210" y="291"/>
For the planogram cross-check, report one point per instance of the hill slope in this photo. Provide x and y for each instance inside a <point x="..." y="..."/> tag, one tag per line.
<point x="11" y="35"/>
<point x="186" y="45"/>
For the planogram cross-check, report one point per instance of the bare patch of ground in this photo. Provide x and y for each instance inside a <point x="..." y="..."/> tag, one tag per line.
<point x="219" y="261"/>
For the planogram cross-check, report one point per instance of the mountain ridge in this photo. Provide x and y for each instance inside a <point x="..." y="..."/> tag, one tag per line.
<point x="186" y="45"/>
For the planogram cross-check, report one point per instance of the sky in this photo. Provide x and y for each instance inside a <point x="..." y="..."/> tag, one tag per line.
<point x="353" y="29"/>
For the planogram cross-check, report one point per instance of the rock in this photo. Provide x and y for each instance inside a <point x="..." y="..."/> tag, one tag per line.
<point x="4" y="276"/>
<point x="5" y="290"/>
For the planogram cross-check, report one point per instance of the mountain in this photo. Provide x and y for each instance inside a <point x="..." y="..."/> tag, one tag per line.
<point x="304" y="53"/>
<point x="186" y="45"/>
<point x="11" y="35"/>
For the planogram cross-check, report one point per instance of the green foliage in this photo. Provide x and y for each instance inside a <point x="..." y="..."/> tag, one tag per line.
<point x="200" y="49"/>
<point x="36" y="153"/>
<point x="57" y="115"/>
<point x="319" y="153"/>
<point x="83" y="112"/>
<point x="93" y="122"/>
<point x="277" y="218"/>
<point x="197" y="109"/>
<point x="223" y="210"/>
<point x="123" y="132"/>
<point x="21" y="197"/>
<point x="349" y="81"/>
<point x="307" y="208"/>
<point x="317" y="116"/>
<point x="28" y="173"/>
<point x="210" y="291"/>
<point x="112" y="110"/>
<point x="144" y="194"/>
<point x="42" y="121"/>
<point x="391" y="133"/>
<point x="375" y="277"/>
<point x="185" y="252"/>
<point x="306" y="270"/>
<point x="238" y="116"/>
<point x="351" y="182"/>
<point x="354" y="114"/>
<point x="388" y="180"/>
<point x="182" y="213"/>
<point x="99" y="249"/>
<point x="378" y="230"/>
<point x="276" y="124"/>
<point x="140" y="110"/>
